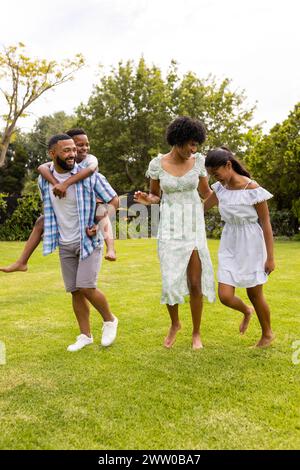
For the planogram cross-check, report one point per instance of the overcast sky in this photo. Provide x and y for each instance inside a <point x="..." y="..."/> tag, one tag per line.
<point x="253" y="42"/>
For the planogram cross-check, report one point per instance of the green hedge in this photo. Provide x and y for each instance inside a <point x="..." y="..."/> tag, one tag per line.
<point x="29" y="207"/>
<point x="213" y="224"/>
<point x="22" y="220"/>
<point x="284" y="224"/>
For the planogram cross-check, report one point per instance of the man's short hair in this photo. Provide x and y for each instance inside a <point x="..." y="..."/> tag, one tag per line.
<point x="76" y="131"/>
<point x="56" y="138"/>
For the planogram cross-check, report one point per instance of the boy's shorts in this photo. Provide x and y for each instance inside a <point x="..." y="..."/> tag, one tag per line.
<point x="78" y="273"/>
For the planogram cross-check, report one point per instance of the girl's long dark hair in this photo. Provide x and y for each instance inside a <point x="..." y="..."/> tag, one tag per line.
<point x="220" y="156"/>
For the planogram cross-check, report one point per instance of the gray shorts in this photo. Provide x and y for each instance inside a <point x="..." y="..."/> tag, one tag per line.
<point x="78" y="273"/>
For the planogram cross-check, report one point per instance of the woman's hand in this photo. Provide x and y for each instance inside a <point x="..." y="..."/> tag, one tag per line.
<point x="142" y="198"/>
<point x="269" y="266"/>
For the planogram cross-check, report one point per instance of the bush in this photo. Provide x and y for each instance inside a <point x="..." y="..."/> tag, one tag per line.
<point x="213" y="224"/>
<point x="3" y="205"/>
<point x="283" y="223"/>
<point x="19" y="225"/>
<point x="21" y="222"/>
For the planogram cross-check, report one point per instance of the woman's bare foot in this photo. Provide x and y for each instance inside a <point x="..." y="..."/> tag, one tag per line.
<point x="171" y="337"/>
<point x="265" y="341"/>
<point x="245" y="323"/>
<point x="17" y="266"/>
<point x="110" y="255"/>
<point x="196" y="342"/>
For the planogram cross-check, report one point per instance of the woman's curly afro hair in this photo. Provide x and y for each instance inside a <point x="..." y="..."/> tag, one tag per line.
<point x="183" y="129"/>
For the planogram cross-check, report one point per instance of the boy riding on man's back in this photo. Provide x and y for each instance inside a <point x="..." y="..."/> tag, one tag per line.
<point x="88" y="164"/>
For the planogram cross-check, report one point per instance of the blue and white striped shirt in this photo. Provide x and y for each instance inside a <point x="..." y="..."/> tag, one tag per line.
<point x="86" y="192"/>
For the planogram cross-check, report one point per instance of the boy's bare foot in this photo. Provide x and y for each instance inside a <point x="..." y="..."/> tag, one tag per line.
<point x="110" y="255"/>
<point x="197" y="343"/>
<point x="17" y="266"/>
<point x="265" y="341"/>
<point x="171" y="337"/>
<point x="245" y="323"/>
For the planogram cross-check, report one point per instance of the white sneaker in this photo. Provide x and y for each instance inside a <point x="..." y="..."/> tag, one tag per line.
<point x="81" y="341"/>
<point x="109" y="332"/>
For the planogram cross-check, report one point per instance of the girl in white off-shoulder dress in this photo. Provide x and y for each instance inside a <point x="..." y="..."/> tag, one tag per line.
<point x="186" y="268"/>
<point x="246" y="248"/>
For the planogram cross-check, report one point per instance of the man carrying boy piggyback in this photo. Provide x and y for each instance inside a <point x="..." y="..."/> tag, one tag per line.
<point x="88" y="164"/>
<point x="67" y="225"/>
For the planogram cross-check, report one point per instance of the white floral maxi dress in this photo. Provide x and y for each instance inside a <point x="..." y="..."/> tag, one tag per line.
<point x="242" y="253"/>
<point x="181" y="230"/>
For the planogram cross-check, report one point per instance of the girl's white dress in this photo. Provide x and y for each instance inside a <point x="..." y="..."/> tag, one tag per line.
<point x="181" y="230"/>
<point x="242" y="253"/>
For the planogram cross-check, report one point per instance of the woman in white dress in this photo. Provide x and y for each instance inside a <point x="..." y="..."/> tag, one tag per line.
<point x="176" y="179"/>
<point x="246" y="249"/>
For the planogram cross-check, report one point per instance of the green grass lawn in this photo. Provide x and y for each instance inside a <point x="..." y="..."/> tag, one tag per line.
<point x="136" y="394"/>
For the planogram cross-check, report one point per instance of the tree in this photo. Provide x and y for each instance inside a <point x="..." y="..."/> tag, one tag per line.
<point x="275" y="162"/>
<point x="226" y="119"/>
<point x="125" y="119"/>
<point x="23" y="80"/>
<point x="13" y="173"/>
<point x="129" y="110"/>
<point x="28" y="150"/>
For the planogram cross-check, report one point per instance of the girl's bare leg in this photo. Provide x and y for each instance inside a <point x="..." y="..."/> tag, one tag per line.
<point x="227" y="297"/>
<point x="262" y="310"/>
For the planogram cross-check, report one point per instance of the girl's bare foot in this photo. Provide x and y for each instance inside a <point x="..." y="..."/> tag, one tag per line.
<point x="171" y="337"/>
<point x="17" y="266"/>
<point x="197" y="343"/>
<point x="110" y="255"/>
<point x="245" y="323"/>
<point x="265" y="341"/>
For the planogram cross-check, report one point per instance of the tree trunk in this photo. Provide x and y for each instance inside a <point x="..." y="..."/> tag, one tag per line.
<point x="3" y="147"/>
<point x="128" y="174"/>
<point x="5" y="141"/>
